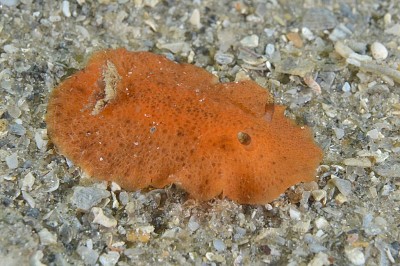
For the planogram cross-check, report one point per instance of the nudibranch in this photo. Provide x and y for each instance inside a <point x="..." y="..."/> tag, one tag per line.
<point x="141" y="120"/>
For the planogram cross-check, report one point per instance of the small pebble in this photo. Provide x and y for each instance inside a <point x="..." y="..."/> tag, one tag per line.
<point x="310" y="186"/>
<point x="224" y="58"/>
<point x="386" y="190"/>
<point x="358" y="47"/>
<point x="151" y="3"/>
<point x="295" y="67"/>
<point x="123" y="197"/>
<point x="115" y="187"/>
<point x="33" y="212"/>
<point x="171" y="233"/>
<point x="373" y="192"/>
<point x="46" y="237"/>
<point x="312" y="84"/>
<point x="340" y="199"/>
<point x="387" y="18"/>
<point x="240" y="232"/>
<point x="302" y="226"/>
<point x="343" y="185"/>
<point x="55" y="19"/>
<point x="141" y="234"/>
<point x="6" y="84"/>
<point x="27" y="182"/>
<point x="395" y="246"/>
<point x="41" y="139"/>
<point x="102" y="219"/>
<point x="374" y="134"/>
<point x="391" y="171"/>
<point x="17" y="129"/>
<point x="115" y="202"/>
<point x="3" y="127"/>
<point x="215" y="257"/>
<point x="295" y="38"/>
<point x="177" y="47"/>
<point x="109" y="259"/>
<point x="9" y="2"/>
<point x="307" y="33"/>
<point x="294" y="213"/>
<point x="29" y="199"/>
<point x="195" y="18"/>
<point x="379" y="51"/>
<point x="340" y="32"/>
<point x="339" y="132"/>
<point x="65" y="9"/>
<point x="319" y="195"/>
<point x="343" y="50"/>
<point x="9" y="48"/>
<point x="321" y="259"/>
<point x="14" y="111"/>
<point x="51" y="182"/>
<point x="269" y="32"/>
<point x="241" y="75"/>
<point x="12" y="161"/>
<point x="270" y="49"/>
<point x="329" y="110"/>
<point x="219" y="245"/>
<point x="321" y="223"/>
<point x="88" y="255"/>
<point x="360" y="162"/>
<point x="355" y="255"/>
<point x="10" y="178"/>
<point x="193" y="225"/>
<point x="35" y="259"/>
<point x="254" y="19"/>
<point x="250" y="41"/>
<point x="83" y="31"/>
<point x="346" y="87"/>
<point x="85" y="198"/>
<point x="314" y="246"/>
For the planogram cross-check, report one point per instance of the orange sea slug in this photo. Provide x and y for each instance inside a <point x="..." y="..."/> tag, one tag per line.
<point x="141" y="120"/>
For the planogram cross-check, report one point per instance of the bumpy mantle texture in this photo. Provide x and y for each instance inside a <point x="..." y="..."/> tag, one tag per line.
<point x="139" y="119"/>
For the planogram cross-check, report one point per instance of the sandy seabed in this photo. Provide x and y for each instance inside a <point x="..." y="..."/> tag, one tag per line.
<point x="335" y="64"/>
